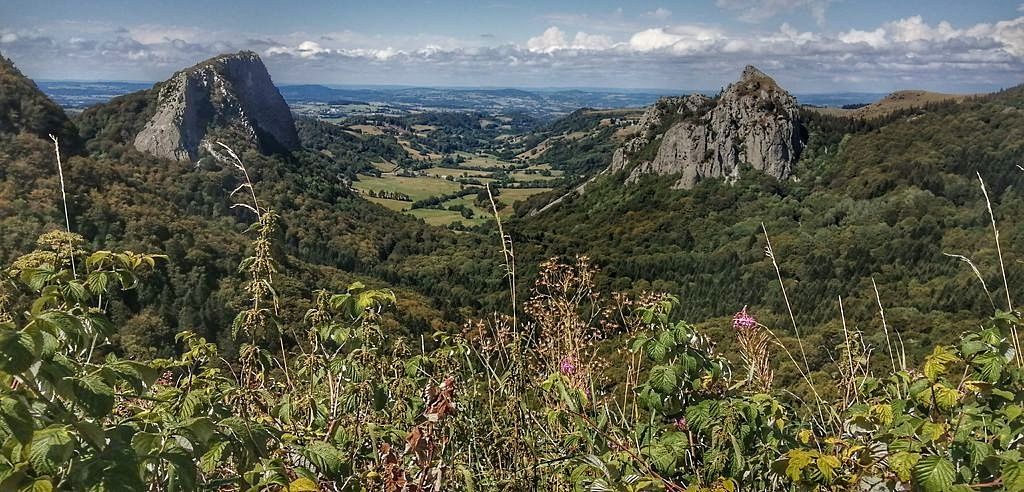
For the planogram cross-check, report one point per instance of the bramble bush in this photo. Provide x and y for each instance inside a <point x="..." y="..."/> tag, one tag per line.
<point x="518" y="401"/>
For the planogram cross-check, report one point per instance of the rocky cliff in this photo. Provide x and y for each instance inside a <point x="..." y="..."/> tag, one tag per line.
<point x="753" y="122"/>
<point x="229" y="94"/>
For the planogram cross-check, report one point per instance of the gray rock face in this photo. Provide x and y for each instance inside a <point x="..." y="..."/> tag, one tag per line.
<point x="229" y="93"/>
<point x="753" y="121"/>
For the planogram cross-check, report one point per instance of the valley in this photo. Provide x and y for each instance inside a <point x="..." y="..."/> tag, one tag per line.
<point x="218" y="283"/>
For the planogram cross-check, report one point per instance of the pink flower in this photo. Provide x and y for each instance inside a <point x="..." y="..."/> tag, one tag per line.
<point x="567" y="366"/>
<point x="743" y="321"/>
<point x="681" y="424"/>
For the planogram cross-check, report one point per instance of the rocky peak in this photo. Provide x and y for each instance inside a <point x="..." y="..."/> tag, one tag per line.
<point x="753" y="121"/>
<point x="229" y="94"/>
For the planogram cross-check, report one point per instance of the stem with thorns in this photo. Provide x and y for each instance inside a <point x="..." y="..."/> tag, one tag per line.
<point x="771" y="255"/>
<point x="849" y="354"/>
<point x="64" y="196"/>
<point x="977" y="273"/>
<point x="999" y="251"/>
<point x="885" y="327"/>
<point x="248" y="182"/>
<point x="510" y="262"/>
<point x="1002" y="270"/>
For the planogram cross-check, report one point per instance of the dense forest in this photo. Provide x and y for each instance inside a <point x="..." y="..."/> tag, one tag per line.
<point x="161" y="330"/>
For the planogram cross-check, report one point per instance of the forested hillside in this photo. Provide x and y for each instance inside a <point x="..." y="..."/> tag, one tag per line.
<point x="251" y="322"/>
<point x="121" y="198"/>
<point x="881" y="200"/>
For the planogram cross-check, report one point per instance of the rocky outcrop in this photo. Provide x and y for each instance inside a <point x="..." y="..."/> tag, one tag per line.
<point x="229" y="94"/>
<point x="752" y="122"/>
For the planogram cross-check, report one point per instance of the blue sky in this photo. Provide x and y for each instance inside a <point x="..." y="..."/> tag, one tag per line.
<point x="808" y="45"/>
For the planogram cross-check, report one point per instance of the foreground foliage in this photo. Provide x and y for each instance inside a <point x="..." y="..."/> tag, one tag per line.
<point x="507" y="404"/>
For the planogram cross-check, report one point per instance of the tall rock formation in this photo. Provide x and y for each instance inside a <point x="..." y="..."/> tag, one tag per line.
<point x="753" y="121"/>
<point x="228" y="94"/>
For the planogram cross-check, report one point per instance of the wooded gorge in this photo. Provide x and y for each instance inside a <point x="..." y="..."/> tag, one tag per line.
<point x="253" y="322"/>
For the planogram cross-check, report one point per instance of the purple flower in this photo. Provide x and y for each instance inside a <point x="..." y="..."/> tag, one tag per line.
<point x="681" y="424"/>
<point x="567" y="366"/>
<point x="743" y="321"/>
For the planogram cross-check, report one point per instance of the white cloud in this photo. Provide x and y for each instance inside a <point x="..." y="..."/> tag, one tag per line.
<point x="874" y="39"/>
<point x="909" y="52"/>
<point x="760" y="10"/>
<point x="678" y="39"/>
<point x="553" y="39"/>
<point x="660" y="13"/>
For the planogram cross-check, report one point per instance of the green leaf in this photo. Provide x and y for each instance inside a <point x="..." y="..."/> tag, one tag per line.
<point x="663" y="458"/>
<point x="16" y="351"/>
<point x="181" y="472"/>
<point x="657" y="350"/>
<point x="942" y="396"/>
<point x="303" y="485"/>
<point x="1013" y="474"/>
<point x="138" y="375"/>
<point x="94" y="395"/>
<point x="16" y="418"/>
<point x="902" y="463"/>
<point x="42" y="485"/>
<point x="663" y="378"/>
<point x="92" y="433"/>
<point x="990" y="365"/>
<point x="827" y="465"/>
<point x="50" y="449"/>
<point x="325" y="457"/>
<point x="936" y="364"/>
<point x="934" y="474"/>
<point x="796" y="461"/>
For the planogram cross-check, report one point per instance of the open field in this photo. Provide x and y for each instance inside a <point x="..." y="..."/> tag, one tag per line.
<point x="418" y="188"/>
<point x="485" y="161"/>
<point x="385" y="166"/>
<point x="396" y="205"/>
<point x="367" y="129"/>
<point x="512" y="195"/>
<point x="416" y="154"/>
<point x="897" y="101"/>
<point x="458" y="173"/>
<point x="525" y="176"/>
<point x="442" y="218"/>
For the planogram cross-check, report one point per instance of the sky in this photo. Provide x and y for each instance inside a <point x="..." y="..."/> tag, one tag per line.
<point x="807" y="45"/>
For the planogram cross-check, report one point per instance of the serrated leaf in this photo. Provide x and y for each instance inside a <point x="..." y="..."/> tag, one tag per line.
<point x="42" y="485"/>
<point x="1013" y="474"/>
<point x="94" y="395"/>
<point x="16" y="351"/>
<point x="934" y="474"/>
<point x="16" y="418"/>
<point x="796" y="461"/>
<point x="663" y="379"/>
<point x="325" y="457"/>
<point x="936" y="364"/>
<point x="827" y="465"/>
<point x="50" y="449"/>
<point x="303" y="485"/>
<point x="901" y="463"/>
<point x="657" y="351"/>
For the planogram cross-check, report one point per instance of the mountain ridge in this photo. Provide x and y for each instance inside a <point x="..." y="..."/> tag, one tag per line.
<point x="231" y="92"/>
<point x="753" y="121"/>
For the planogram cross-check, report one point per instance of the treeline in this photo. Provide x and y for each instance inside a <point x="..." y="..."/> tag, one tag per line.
<point x="874" y="203"/>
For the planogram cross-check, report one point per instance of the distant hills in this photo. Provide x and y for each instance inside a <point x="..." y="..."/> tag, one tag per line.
<point x="897" y="101"/>
<point x="536" y="102"/>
